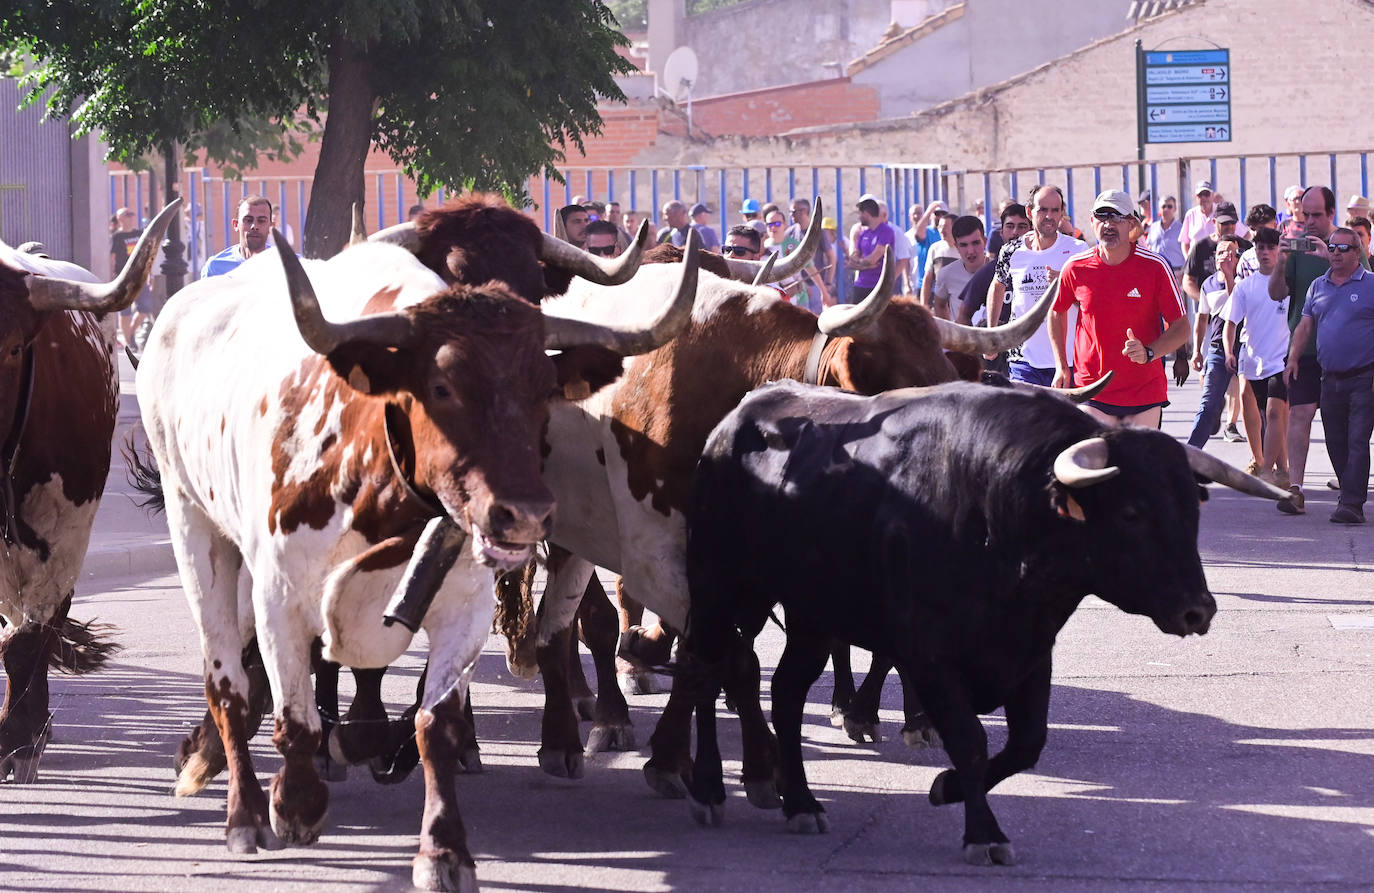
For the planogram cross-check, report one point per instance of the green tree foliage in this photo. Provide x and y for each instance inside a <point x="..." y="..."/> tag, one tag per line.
<point x="460" y="93"/>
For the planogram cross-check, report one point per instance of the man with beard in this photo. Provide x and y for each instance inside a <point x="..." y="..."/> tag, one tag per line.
<point x="1122" y="293"/>
<point x="253" y="223"/>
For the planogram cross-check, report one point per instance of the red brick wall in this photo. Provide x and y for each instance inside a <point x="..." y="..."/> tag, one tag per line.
<point x="776" y="109"/>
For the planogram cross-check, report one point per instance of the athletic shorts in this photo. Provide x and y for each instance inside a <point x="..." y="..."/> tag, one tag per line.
<point x="1122" y="412"/>
<point x="1265" y="388"/>
<point x="1307" y="384"/>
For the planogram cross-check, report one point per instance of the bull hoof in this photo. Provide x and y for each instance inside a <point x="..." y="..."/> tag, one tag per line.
<point x="921" y="735"/>
<point x="989" y="854"/>
<point x="586" y="708"/>
<point x="561" y="763"/>
<point x="861" y="731"/>
<point x="610" y="737"/>
<point x="667" y="784"/>
<point x="245" y="840"/>
<point x="470" y="760"/>
<point x="635" y="680"/>
<point x="837" y="717"/>
<point x="296" y="829"/>
<point x="944" y="789"/>
<point x="708" y="815"/>
<point x="763" y="794"/>
<point x="638" y="648"/>
<point x="444" y="872"/>
<point x="808" y="823"/>
<point x="195" y="774"/>
<point x="329" y="766"/>
<point x="522" y="669"/>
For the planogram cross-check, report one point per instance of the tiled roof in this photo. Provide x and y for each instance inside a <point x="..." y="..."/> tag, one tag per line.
<point x="897" y="38"/>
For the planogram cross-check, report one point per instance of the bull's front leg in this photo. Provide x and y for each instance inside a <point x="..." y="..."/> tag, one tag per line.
<point x="597" y="619"/>
<point x="760" y="774"/>
<point x="25" y="724"/>
<point x="200" y="755"/>
<point x="560" y="741"/>
<point x="946" y="700"/>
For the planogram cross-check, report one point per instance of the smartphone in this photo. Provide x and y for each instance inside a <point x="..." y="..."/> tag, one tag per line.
<point x="1300" y="244"/>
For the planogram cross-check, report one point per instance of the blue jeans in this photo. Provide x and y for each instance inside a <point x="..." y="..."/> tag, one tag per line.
<point x="1348" y="418"/>
<point x="1216" y="378"/>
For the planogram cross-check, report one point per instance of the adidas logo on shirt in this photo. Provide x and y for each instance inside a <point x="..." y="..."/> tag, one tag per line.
<point x="1133" y="293"/>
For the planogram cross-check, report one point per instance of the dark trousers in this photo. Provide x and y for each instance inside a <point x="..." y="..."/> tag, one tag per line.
<point x="1216" y="378"/>
<point x="1348" y="419"/>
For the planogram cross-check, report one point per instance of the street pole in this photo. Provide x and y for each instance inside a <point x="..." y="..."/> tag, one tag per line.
<point x="1140" y="118"/>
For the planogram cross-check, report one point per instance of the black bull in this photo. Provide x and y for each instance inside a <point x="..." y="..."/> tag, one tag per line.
<point x="963" y="528"/>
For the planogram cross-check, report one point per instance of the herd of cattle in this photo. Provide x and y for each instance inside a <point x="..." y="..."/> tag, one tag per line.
<point x="350" y="450"/>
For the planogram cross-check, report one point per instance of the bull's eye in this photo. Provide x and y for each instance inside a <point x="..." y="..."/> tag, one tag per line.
<point x="442" y="392"/>
<point x="14" y="351"/>
<point x="1131" y="515"/>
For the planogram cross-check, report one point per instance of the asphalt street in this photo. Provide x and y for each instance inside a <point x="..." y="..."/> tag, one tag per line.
<point x="1241" y="760"/>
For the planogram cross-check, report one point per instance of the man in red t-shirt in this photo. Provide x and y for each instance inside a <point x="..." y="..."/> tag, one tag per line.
<point x="1129" y="313"/>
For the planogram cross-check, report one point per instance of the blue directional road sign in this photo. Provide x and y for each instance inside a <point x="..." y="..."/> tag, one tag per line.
<point x="1184" y="96"/>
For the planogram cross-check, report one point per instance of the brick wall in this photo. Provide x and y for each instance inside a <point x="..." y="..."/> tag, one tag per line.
<point x="779" y="109"/>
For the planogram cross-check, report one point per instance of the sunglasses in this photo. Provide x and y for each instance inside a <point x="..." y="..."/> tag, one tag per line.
<point x="1337" y="246"/>
<point x="1108" y="214"/>
<point x="736" y="249"/>
<point x="775" y="224"/>
<point x="603" y="250"/>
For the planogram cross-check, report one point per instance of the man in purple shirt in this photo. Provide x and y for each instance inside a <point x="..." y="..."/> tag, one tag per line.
<point x="869" y="245"/>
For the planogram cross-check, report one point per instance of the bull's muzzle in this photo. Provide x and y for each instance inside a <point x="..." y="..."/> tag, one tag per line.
<point x="1191" y="618"/>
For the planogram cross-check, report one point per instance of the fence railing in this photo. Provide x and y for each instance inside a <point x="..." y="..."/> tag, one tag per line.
<point x="1243" y="179"/>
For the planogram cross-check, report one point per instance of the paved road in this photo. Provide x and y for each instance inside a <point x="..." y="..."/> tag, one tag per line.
<point x="1243" y="760"/>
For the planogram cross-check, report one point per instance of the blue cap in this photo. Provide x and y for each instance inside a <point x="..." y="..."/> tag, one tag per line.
<point x="750" y="206"/>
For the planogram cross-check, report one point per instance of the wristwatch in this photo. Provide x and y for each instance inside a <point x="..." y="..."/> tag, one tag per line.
<point x="1149" y="354"/>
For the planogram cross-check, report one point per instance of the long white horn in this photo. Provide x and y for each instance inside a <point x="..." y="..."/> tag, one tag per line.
<point x="851" y="319"/>
<point x="749" y="270"/>
<point x="564" y="333"/>
<point x="602" y="271"/>
<point x="1214" y="469"/>
<point x="49" y="293"/>
<point x="323" y="336"/>
<point x="976" y="339"/>
<point x="402" y="234"/>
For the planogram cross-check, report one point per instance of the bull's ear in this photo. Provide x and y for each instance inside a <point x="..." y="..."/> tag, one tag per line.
<point x="369" y="368"/>
<point x="582" y="371"/>
<point x="1065" y="505"/>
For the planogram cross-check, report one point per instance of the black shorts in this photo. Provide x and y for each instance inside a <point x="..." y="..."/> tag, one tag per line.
<point x="1307" y="384"/>
<point x="1122" y="412"/>
<point x="1266" y="388"/>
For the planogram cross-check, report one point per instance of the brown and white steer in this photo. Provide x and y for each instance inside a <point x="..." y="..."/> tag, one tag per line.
<point x="304" y="448"/>
<point x="59" y="396"/>
<point x="621" y="465"/>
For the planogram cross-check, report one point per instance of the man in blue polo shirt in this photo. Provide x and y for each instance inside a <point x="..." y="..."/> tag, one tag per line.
<point x="253" y="223"/>
<point x="1339" y="310"/>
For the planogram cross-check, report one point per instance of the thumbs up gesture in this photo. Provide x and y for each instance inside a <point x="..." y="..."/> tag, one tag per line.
<point x="1134" y="349"/>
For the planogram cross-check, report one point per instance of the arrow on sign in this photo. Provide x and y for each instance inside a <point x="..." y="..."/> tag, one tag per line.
<point x="1156" y="114"/>
<point x="1218" y="92"/>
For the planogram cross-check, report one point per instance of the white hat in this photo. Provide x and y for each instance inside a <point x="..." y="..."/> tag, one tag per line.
<point x="1115" y="199"/>
<point x="1357" y="201"/>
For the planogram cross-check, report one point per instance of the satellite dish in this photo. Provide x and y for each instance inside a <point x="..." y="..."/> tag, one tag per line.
<point x="680" y="73"/>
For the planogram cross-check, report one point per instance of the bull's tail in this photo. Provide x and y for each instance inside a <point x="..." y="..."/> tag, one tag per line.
<point x="82" y="647"/>
<point x="144" y="475"/>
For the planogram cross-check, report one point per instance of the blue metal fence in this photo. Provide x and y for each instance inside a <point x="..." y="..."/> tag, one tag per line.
<point x="1245" y="180"/>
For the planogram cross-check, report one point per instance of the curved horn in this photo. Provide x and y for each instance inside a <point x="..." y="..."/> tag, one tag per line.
<point x="1084" y="464"/>
<point x="35" y="248"/>
<point x="1214" y="469"/>
<point x="976" y="339"/>
<point x="851" y="319"/>
<point x="323" y="336"/>
<point x="561" y="333"/>
<point x="359" y="227"/>
<point x="750" y="270"/>
<point x="765" y="270"/>
<point x="402" y="234"/>
<point x="602" y="271"/>
<point x="50" y="293"/>
<point x="1087" y="392"/>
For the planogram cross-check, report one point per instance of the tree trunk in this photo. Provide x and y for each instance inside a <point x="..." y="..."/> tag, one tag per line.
<point x="343" y="152"/>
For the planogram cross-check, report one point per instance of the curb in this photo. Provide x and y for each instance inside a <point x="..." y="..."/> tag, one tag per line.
<point x="146" y="558"/>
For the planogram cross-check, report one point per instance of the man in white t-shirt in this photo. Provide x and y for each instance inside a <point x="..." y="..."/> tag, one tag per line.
<point x="1260" y="364"/>
<point x="939" y="254"/>
<point x="1198" y="223"/>
<point x="1025" y="267"/>
<point x="971" y="244"/>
